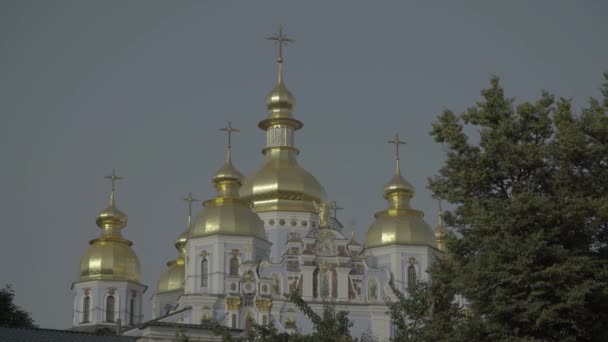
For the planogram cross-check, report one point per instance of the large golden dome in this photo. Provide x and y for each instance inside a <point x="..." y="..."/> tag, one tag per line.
<point x="110" y="256"/>
<point x="399" y="224"/>
<point x="173" y="277"/>
<point x="227" y="214"/>
<point x="282" y="185"/>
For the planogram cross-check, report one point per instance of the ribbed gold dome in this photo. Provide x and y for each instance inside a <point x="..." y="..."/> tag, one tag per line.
<point x="227" y="214"/>
<point x="399" y="228"/>
<point x="282" y="185"/>
<point x="172" y="278"/>
<point x="109" y="259"/>
<point x="110" y="256"/>
<point x="399" y="224"/>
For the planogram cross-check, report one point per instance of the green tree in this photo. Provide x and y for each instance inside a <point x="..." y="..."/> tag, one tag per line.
<point x="10" y="314"/>
<point x="531" y="211"/>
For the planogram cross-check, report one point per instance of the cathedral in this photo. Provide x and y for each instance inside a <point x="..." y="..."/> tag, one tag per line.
<point x="259" y="237"/>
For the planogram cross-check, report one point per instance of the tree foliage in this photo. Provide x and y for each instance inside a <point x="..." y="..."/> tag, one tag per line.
<point x="531" y="211"/>
<point x="10" y="314"/>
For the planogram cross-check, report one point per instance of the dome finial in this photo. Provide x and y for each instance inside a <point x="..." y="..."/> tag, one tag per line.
<point x="397" y="142"/>
<point x="398" y="191"/>
<point x="189" y="200"/>
<point x="281" y="39"/>
<point x="113" y="178"/>
<point x="229" y="129"/>
<point x="228" y="179"/>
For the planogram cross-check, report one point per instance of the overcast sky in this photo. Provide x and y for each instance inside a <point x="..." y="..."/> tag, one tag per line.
<point x="143" y="86"/>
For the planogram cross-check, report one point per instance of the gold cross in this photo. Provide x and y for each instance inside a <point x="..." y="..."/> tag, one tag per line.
<point x="229" y="130"/>
<point x="280" y="39"/>
<point x="189" y="200"/>
<point x="397" y="142"/>
<point x="113" y="178"/>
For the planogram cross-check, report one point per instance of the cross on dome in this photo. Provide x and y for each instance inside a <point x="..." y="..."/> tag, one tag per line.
<point x="113" y="178"/>
<point x="281" y="39"/>
<point x="396" y="141"/>
<point x="229" y="131"/>
<point x="189" y="200"/>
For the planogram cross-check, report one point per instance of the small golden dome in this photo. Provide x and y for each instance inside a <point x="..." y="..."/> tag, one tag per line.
<point x="228" y="172"/>
<point x="398" y="183"/>
<point x="172" y="278"/>
<point x="110" y="256"/>
<point x="282" y="185"/>
<point x="109" y="259"/>
<point x="399" y="224"/>
<point x="227" y="216"/>
<point x="399" y="228"/>
<point x="111" y="216"/>
<point x="280" y="101"/>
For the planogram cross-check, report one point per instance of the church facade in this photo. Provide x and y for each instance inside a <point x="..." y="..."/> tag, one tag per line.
<point x="258" y="238"/>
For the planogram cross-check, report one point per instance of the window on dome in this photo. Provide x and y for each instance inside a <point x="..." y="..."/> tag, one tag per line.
<point x="204" y="273"/>
<point x="86" y="307"/>
<point x="110" y="309"/>
<point x="411" y="277"/>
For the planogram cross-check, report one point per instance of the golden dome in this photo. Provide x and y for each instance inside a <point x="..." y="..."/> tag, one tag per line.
<point x="398" y="183"/>
<point x="110" y="256"/>
<point x="227" y="214"/>
<point x="280" y="101"/>
<point x="173" y="277"/>
<point x="399" y="227"/>
<point x="109" y="259"/>
<point x="399" y="224"/>
<point x="282" y="185"/>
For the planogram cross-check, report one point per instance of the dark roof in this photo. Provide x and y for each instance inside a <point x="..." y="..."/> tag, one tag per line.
<point x="9" y="334"/>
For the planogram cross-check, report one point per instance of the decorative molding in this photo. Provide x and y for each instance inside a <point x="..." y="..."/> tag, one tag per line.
<point x="263" y="304"/>
<point x="233" y="303"/>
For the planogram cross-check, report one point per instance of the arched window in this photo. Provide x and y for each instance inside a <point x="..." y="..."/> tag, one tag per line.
<point x="234" y="267"/>
<point x="86" y="307"/>
<point x="110" y="309"/>
<point x="132" y="311"/>
<point x="411" y="277"/>
<point x="204" y="273"/>
<point x="234" y="321"/>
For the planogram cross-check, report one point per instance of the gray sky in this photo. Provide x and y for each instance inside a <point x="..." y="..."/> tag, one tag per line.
<point x="143" y="86"/>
